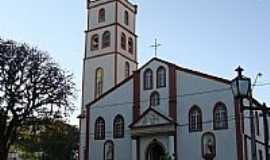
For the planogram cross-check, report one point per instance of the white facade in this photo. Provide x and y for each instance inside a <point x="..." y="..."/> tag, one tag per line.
<point x="225" y="139"/>
<point x="112" y="59"/>
<point x="163" y="125"/>
<point x="192" y="88"/>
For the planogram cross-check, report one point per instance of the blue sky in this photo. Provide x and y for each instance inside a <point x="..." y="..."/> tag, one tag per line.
<point x="212" y="36"/>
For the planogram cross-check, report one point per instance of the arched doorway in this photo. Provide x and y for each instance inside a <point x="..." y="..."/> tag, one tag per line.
<point x="155" y="151"/>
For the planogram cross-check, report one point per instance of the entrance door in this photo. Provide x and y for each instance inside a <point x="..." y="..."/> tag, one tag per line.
<point x="155" y="152"/>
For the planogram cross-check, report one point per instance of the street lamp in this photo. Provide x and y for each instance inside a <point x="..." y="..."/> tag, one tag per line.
<point x="241" y="87"/>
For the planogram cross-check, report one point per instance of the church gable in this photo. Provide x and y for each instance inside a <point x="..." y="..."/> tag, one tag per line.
<point x="151" y="118"/>
<point x="154" y="62"/>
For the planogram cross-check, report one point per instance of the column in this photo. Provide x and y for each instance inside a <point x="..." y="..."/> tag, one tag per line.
<point x="171" y="146"/>
<point x="134" y="149"/>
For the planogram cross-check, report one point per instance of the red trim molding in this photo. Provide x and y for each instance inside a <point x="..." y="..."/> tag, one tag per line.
<point x="129" y="8"/>
<point x="112" y="53"/>
<point x="136" y="95"/>
<point x="172" y="92"/>
<point x="100" y="4"/>
<point x="87" y="138"/>
<point x="110" y="25"/>
<point x="239" y="133"/>
<point x="173" y="103"/>
<point x="116" y="44"/>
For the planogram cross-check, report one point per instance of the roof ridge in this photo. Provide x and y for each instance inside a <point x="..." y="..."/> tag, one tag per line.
<point x="189" y="70"/>
<point x="110" y="90"/>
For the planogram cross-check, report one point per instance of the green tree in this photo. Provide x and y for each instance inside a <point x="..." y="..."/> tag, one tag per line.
<point x="59" y="141"/>
<point x="32" y="87"/>
<point x="56" y="141"/>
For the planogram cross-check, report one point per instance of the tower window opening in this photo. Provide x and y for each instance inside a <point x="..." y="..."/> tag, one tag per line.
<point x="123" y="41"/>
<point x="101" y="15"/>
<point x="130" y="45"/>
<point x="126" y="18"/>
<point x="95" y="42"/>
<point x="106" y="39"/>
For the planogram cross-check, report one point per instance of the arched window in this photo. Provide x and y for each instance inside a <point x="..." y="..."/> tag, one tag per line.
<point x="99" y="82"/>
<point x="130" y="45"/>
<point x="257" y="121"/>
<point x="195" y="119"/>
<point x="148" y="79"/>
<point x="126" y="18"/>
<point x="123" y="41"/>
<point x="161" y="77"/>
<point x="106" y="39"/>
<point x="154" y="99"/>
<point x="101" y="15"/>
<point x="118" y="127"/>
<point x="109" y="150"/>
<point x="94" y="42"/>
<point x="220" y="116"/>
<point x="100" y="129"/>
<point x="127" y="69"/>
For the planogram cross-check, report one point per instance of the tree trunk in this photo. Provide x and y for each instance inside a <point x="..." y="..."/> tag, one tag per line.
<point x="7" y="140"/>
<point x="4" y="153"/>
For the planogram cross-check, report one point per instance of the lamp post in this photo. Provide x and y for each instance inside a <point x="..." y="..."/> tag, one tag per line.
<point x="241" y="87"/>
<point x="265" y="113"/>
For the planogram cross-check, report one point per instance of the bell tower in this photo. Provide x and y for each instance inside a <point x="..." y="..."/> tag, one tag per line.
<point x="111" y="46"/>
<point x="110" y="52"/>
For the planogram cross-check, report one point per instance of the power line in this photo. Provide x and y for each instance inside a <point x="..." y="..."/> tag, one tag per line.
<point x="262" y="84"/>
<point x="165" y="98"/>
<point x="229" y="119"/>
<point x="178" y="96"/>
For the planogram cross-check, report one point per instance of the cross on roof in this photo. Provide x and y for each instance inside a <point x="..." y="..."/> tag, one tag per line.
<point x="156" y="45"/>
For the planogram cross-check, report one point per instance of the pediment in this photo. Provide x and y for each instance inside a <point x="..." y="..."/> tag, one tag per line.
<point x="150" y="118"/>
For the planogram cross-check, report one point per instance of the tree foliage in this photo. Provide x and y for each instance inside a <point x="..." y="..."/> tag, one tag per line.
<point x="32" y="87"/>
<point x="56" y="140"/>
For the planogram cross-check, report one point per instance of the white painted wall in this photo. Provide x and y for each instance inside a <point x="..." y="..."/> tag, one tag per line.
<point x="125" y="52"/>
<point x="189" y="144"/>
<point x="121" y="67"/>
<point x="91" y="65"/>
<point x="110" y="15"/>
<point x="132" y="16"/>
<point x="164" y="92"/>
<point x="118" y="102"/>
<point x="101" y="50"/>
<point x="107" y="62"/>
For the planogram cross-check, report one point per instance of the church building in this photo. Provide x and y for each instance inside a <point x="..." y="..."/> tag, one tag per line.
<point x="159" y="111"/>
